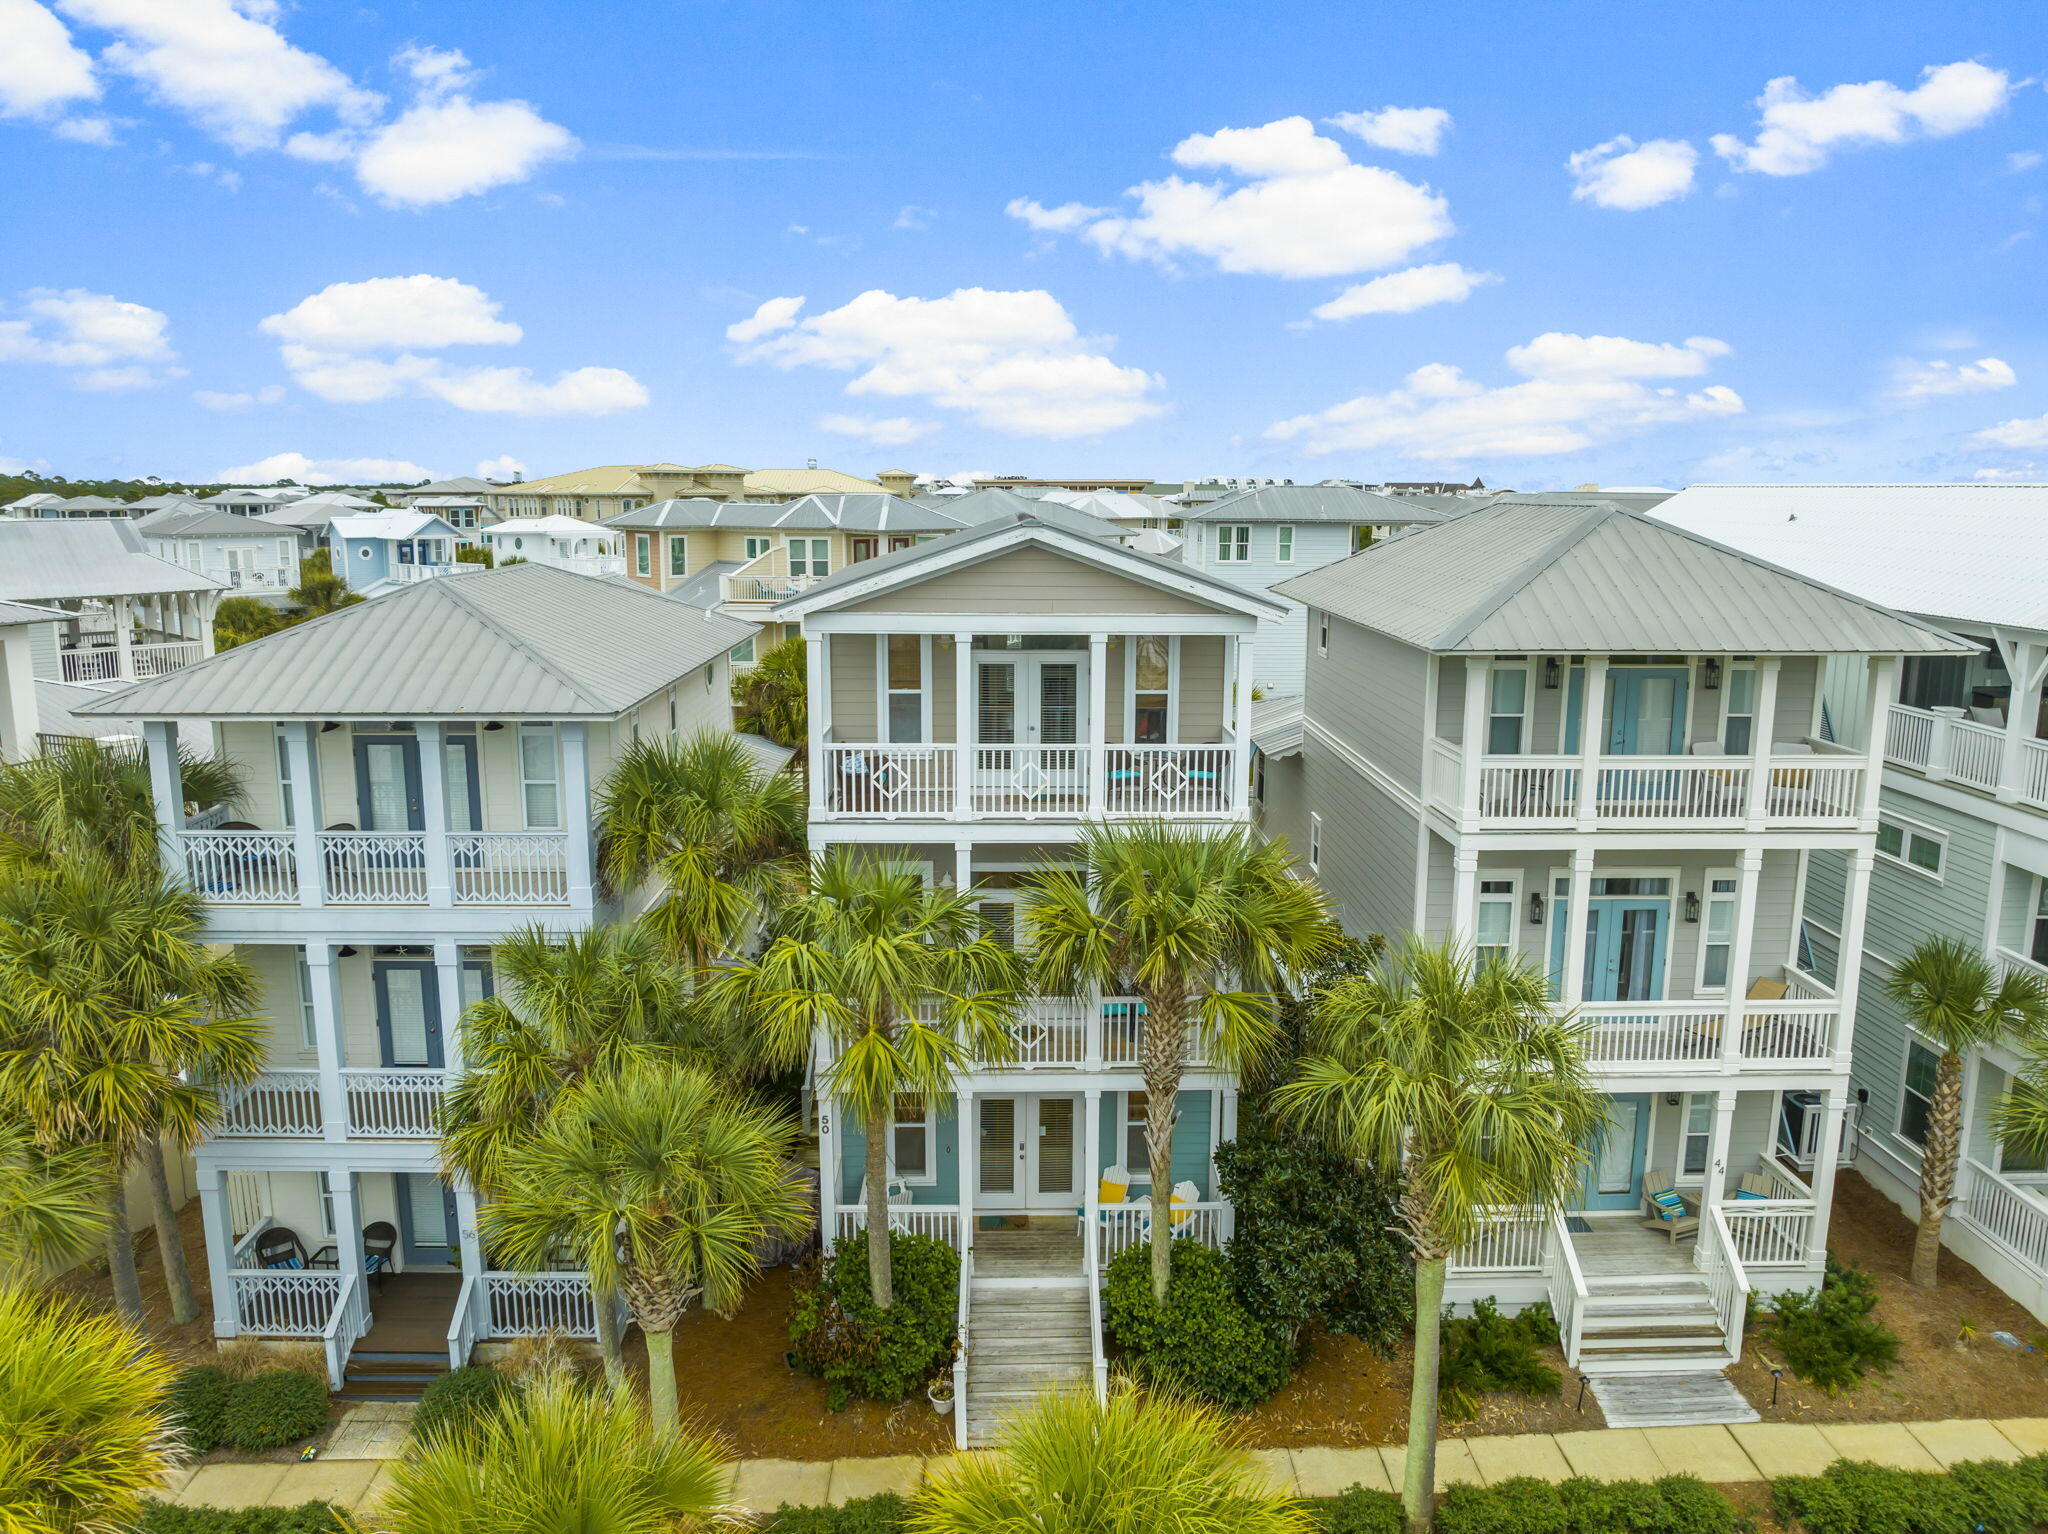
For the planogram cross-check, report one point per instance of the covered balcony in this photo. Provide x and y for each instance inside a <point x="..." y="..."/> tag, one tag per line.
<point x="1977" y="721"/>
<point x="130" y="639"/>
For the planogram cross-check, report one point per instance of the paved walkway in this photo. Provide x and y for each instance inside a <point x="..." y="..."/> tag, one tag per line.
<point x="355" y="1466"/>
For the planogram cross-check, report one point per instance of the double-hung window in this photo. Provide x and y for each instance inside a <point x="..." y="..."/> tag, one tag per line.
<point x="1152" y="691"/>
<point x="1234" y="543"/>
<point x="1322" y="633"/>
<point x="1699" y="1134"/>
<point x="808" y="556"/>
<point x="1507" y="708"/>
<point x="1283" y="544"/>
<point x="904" y="658"/>
<point x="910" y="1139"/>
<point x="1738" y="720"/>
<point x="540" y="777"/>
<point x="1495" y="927"/>
<point x="1717" y="935"/>
<point x="678" y="554"/>
<point x="756" y="547"/>
<point x="307" y="1029"/>
<point x="1916" y="846"/>
<point x="1315" y="841"/>
<point x="643" y="557"/>
<point x="1917" y="1101"/>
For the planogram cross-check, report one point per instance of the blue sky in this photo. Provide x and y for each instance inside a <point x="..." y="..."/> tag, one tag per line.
<point x="1592" y="242"/>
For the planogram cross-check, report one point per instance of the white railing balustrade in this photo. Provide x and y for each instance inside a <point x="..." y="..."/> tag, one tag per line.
<point x="1446" y="772"/>
<point x="1789" y="1030"/>
<point x="248" y="1210"/>
<point x="890" y="780"/>
<point x="1051" y="1031"/>
<point x="1029" y="780"/>
<point x="1171" y="780"/>
<point x="466" y="1321"/>
<point x="1910" y="741"/>
<point x="1802" y="790"/>
<point x="964" y="1304"/>
<point x="152" y="660"/>
<point x="1623" y="1033"/>
<point x="939" y="1221"/>
<point x="1944" y="744"/>
<point x="276" y="1103"/>
<point x="1714" y="1254"/>
<point x="90" y="665"/>
<point x="346" y="1324"/>
<point x="1672" y="788"/>
<point x="1566" y="1283"/>
<point x="2034" y="771"/>
<point x="2008" y="1213"/>
<point x="210" y="818"/>
<point x="1510" y="1241"/>
<point x="398" y="1104"/>
<point x="1122" y="1225"/>
<point x="243" y="867"/>
<point x="510" y="867"/>
<point x="1526" y="788"/>
<point x="531" y="1304"/>
<point x="1098" y="1357"/>
<point x="1767" y="1233"/>
<point x="375" y="867"/>
<point x="275" y="1303"/>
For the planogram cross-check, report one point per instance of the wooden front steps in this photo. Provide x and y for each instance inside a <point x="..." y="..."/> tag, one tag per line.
<point x="1027" y="1323"/>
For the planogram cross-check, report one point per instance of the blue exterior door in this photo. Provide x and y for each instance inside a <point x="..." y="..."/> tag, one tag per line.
<point x="1625" y="949"/>
<point x="1646" y="711"/>
<point x="408" y="1015"/>
<point x="388" y="783"/>
<point x="1614" y="1175"/>
<point x="426" y="1219"/>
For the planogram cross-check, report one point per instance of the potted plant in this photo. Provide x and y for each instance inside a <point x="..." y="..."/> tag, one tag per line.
<point x="940" y="1393"/>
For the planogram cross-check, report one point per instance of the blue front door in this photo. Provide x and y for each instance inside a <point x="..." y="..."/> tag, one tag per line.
<point x="1625" y="943"/>
<point x="409" y="1015"/>
<point x="388" y="782"/>
<point x="1614" y="1174"/>
<point x="426" y="1219"/>
<point x="1646" y="711"/>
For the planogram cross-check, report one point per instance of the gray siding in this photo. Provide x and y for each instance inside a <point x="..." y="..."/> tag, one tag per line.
<point x="1368" y="845"/>
<point x="1029" y="580"/>
<point x="1369" y="693"/>
<point x="1278" y="667"/>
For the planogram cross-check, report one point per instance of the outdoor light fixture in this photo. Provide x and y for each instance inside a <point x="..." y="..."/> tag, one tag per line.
<point x="1710" y="676"/>
<point x="1535" y="908"/>
<point x="499" y="724"/>
<point x="1552" y="673"/>
<point x="1692" y="906"/>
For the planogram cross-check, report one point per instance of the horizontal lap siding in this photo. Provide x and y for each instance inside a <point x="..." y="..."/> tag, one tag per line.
<point x="1369" y="692"/>
<point x="1030" y="580"/>
<point x="1201" y="688"/>
<point x="1368" y="844"/>
<point x="851" y="661"/>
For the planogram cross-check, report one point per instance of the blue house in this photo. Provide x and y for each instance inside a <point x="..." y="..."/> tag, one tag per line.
<point x="376" y="551"/>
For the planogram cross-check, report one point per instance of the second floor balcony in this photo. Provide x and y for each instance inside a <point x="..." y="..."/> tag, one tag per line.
<point x="1971" y="748"/>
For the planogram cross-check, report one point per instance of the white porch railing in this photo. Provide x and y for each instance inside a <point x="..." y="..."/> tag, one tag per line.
<point x="1172" y="780"/>
<point x="464" y="1322"/>
<point x="1076" y="1032"/>
<point x="530" y="1304"/>
<point x="1944" y="744"/>
<point x="1098" y="1357"/>
<point x="243" y="867"/>
<point x="374" y="867"/>
<point x="1769" y="1233"/>
<point x="396" y="1104"/>
<point x="941" y="1221"/>
<point x="1510" y="1241"/>
<point x="1714" y="1254"/>
<point x="248" y="1210"/>
<point x="1029" y="780"/>
<point x="1814" y="788"/>
<point x="275" y="1303"/>
<point x="163" y="658"/>
<point x="1122" y="1225"/>
<point x="1627" y="1035"/>
<point x="1567" y="1284"/>
<point x="276" y="1104"/>
<point x="90" y="664"/>
<point x="510" y="867"/>
<point x="2004" y="1211"/>
<point x="345" y="1326"/>
<point x="890" y="782"/>
<point x="962" y="1308"/>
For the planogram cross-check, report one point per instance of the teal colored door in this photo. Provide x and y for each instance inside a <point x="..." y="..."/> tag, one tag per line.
<point x="1614" y="1174"/>
<point x="1646" y="711"/>
<point x="1625" y="949"/>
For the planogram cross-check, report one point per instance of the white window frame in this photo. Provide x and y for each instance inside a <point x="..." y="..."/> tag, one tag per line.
<point x="1908" y="829"/>
<point x="1283" y="544"/>
<point x="308" y="1026"/>
<point x="678" y="544"/>
<point x="1511" y="898"/>
<point x="643" y="554"/>
<point x="1172" y="692"/>
<point x="1709" y="899"/>
<point x="884" y="693"/>
<point x="1728" y="696"/>
<point x="742" y="654"/>
<point x="756" y="545"/>
<point x="1139" y="1168"/>
<point x="325" y="1183"/>
<point x="195" y="556"/>
<point x="284" y="552"/>
<point x="1233" y="543"/>
<point x="554" y="739"/>
<point x="1322" y="633"/>
<point x="809" y="559"/>
<point x="930" y="1128"/>
<point x="1522" y="718"/>
<point x="1687" y="1134"/>
<point x="1315" y="841"/>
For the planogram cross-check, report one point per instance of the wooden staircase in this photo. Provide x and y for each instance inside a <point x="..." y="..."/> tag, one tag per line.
<point x="390" y="1376"/>
<point x="1027" y="1323"/>
<point x="1656" y="1323"/>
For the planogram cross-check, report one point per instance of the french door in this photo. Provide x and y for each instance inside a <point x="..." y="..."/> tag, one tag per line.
<point x="1614" y="1176"/>
<point x="388" y="782"/>
<point x="1027" y="1151"/>
<point x="1030" y="701"/>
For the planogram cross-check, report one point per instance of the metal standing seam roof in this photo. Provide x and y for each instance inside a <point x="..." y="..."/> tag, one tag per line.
<point x="523" y="641"/>
<point x="13" y="614"/>
<point x="399" y="523"/>
<point x="806" y="482"/>
<point x="1112" y="555"/>
<point x="1277" y="727"/>
<point x="993" y="505"/>
<point x="1975" y="553"/>
<point x="204" y="522"/>
<point x="1590" y="577"/>
<point x="100" y="557"/>
<point x="1315" y="503"/>
<point x="864" y="512"/>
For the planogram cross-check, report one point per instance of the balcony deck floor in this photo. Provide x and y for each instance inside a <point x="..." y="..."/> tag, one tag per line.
<point x="1619" y="1247"/>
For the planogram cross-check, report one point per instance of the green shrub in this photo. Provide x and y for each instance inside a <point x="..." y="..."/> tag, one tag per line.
<point x="1677" y="1504"/>
<point x="199" y="1403"/>
<point x="1854" y="1497"/>
<point x="1202" y="1341"/>
<point x="837" y="1332"/>
<point x="1314" y="1240"/>
<point x="1831" y="1338"/>
<point x="274" y="1409"/>
<point x="1358" y="1511"/>
<point x="1487" y="1352"/>
<point x="307" y="1518"/>
<point x="884" y="1514"/>
<point x="460" y="1399"/>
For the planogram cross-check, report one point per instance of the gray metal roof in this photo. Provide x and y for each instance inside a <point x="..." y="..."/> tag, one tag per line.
<point x="767" y="755"/>
<point x="868" y="511"/>
<point x="702" y="589"/>
<point x="306" y="515"/>
<point x="1628" y="500"/>
<point x="984" y="506"/>
<point x="462" y="484"/>
<point x="51" y="560"/>
<point x="1566" y="577"/>
<point x="1315" y="503"/>
<point x="204" y="522"/>
<point x="1276" y="725"/>
<point x="524" y="641"/>
<point x="14" y="614"/>
<point x="57" y="705"/>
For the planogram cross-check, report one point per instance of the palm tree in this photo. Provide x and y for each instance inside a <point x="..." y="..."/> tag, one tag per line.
<point x="566" y="1008"/>
<point x="118" y="1030"/>
<point x="664" y="1182"/>
<point x="1203" y="929"/>
<point x="718" y="835"/>
<point x="553" y="1458"/>
<point x="85" y="1433"/>
<point x="1957" y="1001"/>
<point x="1461" y="1075"/>
<point x="320" y="590"/>
<point x="52" y="1207"/>
<point x="92" y="796"/>
<point x="771" y="697"/>
<point x="1130" y="1465"/>
<point x="904" y="982"/>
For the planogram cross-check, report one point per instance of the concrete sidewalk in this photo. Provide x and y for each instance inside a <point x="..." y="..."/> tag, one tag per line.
<point x="1747" y="1451"/>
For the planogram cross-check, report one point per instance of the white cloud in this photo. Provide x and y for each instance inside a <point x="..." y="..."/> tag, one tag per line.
<point x="1624" y="174"/>
<point x="110" y="344"/>
<point x="1306" y="209"/>
<point x="1798" y="133"/>
<point x="269" y="394"/>
<point x="441" y="149"/>
<point x="911" y="216"/>
<point x="1011" y="361"/>
<point x="2022" y="160"/>
<point x="1405" y="130"/>
<point x="1913" y="380"/>
<point x="2025" y="474"/>
<point x="515" y="391"/>
<point x="1404" y="292"/>
<point x="2023" y="431"/>
<point x="300" y="469"/>
<point x="504" y="466"/>
<point x="42" y="71"/>
<point x="386" y="312"/>
<point x="1578" y="392"/>
<point x="880" y="431"/>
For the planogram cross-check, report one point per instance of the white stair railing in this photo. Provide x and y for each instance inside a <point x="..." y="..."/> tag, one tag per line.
<point x="1568" y="1292"/>
<point x="462" y="1326"/>
<point x="966" y="1304"/>
<point x="1714" y="1254"/>
<point x="1098" y="1358"/>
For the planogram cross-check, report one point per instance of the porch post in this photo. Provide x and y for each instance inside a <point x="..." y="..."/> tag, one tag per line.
<point x="963" y="865"/>
<point x="963" y="725"/>
<point x="1571" y="988"/>
<point x="124" y="638"/>
<point x="1763" y="727"/>
<point x="1884" y="688"/>
<point x="1241" y="768"/>
<point x="828" y="1169"/>
<point x="1715" y="1185"/>
<point x="970" y="1166"/>
<point x="448" y="986"/>
<point x="1478" y="684"/>
<point x="220" y="1249"/>
<point x="2027" y="664"/>
<point x="348" y="1227"/>
<point x="1095" y="758"/>
<point x="1741" y="944"/>
<point x="204" y="605"/>
<point x="160" y="737"/>
<point x="1465" y="898"/>
<point x="323" y="980"/>
<point x="466" y="1239"/>
<point x="818" y="703"/>
<point x="1592" y="735"/>
<point x="434" y="814"/>
<point x="1849" y="962"/>
<point x="1834" y="1105"/>
<point x="302" y="754"/>
<point x="576" y="807"/>
<point x="1091" y="1034"/>
<point x="1091" y="1141"/>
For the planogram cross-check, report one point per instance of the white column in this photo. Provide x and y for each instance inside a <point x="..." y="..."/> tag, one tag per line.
<point x="1938" y="741"/>
<point x="1716" y="1183"/>
<point x="970" y="1164"/>
<point x="2027" y="664"/>
<point x="1834" y="1105"/>
<point x="818" y="692"/>
<point x="434" y="812"/>
<point x="1849" y="964"/>
<point x="1592" y="734"/>
<point x="467" y="1241"/>
<point x="576" y="806"/>
<point x="1762" y="729"/>
<point x="324" y="981"/>
<point x="1464" y="898"/>
<point x="124" y="637"/>
<point x="348" y="1228"/>
<point x="1096" y="762"/>
<point x="1091" y="1161"/>
<point x="963" y="865"/>
<point x="18" y="718"/>
<point x="828" y="1165"/>
<point x="1091" y="1042"/>
<point x="220" y="1249"/>
<point x="1883" y="688"/>
<point x="203" y="606"/>
<point x="963" y="726"/>
<point x="448" y="984"/>
<point x="1572" y="983"/>
<point x="302" y="755"/>
<point x="1741" y="944"/>
<point x="1246" y="650"/>
<point x="1478" y="683"/>
<point x="166" y="787"/>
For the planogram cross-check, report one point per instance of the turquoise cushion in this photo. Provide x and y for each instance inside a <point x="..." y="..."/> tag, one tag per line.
<point x="1745" y="1193"/>
<point x="1668" y="1203"/>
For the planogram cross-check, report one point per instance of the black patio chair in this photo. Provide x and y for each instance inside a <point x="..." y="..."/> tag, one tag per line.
<point x="380" y="1240"/>
<point x="280" y="1247"/>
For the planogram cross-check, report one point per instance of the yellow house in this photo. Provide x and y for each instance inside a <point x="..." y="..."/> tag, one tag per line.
<point x="591" y="495"/>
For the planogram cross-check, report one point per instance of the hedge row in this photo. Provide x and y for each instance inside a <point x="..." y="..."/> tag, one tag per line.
<point x="308" y="1518"/>
<point x="209" y="1408"/>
